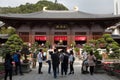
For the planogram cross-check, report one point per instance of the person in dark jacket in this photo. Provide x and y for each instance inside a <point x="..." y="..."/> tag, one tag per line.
<point x="71" y="61"/>
<point x="55" y="63"/>
<point x="16" y="58"/>
<point x="8" y="66"/>
<point x="64" y="62"/>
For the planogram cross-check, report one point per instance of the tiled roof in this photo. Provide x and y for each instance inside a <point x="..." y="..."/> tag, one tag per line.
<point x="53" y="14"/>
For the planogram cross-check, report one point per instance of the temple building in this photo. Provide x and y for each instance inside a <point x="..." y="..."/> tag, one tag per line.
<point x="54" y="26"/>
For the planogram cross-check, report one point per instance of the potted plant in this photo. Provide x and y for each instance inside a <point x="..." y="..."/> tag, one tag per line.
<point x="47" y="44"/>
<point x="14" y="43"/>
<point x="26" y="62"/>
<point x="25" y="51"/>
<point x="2" y="73"/>
<point x="116" y="69"/>
<point x="77" y="50"/>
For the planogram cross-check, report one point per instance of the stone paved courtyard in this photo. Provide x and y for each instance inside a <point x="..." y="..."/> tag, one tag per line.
<point x="33" y="75"/>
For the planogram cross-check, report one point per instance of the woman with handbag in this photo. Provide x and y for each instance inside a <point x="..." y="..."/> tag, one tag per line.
<point x="91" y="63"/>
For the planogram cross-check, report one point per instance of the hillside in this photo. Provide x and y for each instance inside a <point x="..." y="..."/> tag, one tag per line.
<point x="29" y="8"/>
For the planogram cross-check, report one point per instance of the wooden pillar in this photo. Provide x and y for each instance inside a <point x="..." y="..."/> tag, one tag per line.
<point x="50" y="35"/>
<point x="89" y="34"/>
<point x="31" y="38"/>
<point x="71" y="38"/>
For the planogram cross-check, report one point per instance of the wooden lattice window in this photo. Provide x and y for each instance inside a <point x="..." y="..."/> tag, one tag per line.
<point x="60" y="33"/>
<point x="97" y="35"/>
<point x="80" y="33"/>
<point x="40" y="33"/>
<point x="24" y="36"/>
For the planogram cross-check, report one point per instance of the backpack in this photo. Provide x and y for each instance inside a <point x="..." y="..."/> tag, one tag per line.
<point x="34" y="55"/>
<point x="65" y="59"/>
<point x="73" y="58"/>
<point x="16" y="58"/>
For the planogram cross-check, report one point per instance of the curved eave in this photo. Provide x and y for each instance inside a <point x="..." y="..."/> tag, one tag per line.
<point x="21" y="18"/>
<point x="58" y="15"/>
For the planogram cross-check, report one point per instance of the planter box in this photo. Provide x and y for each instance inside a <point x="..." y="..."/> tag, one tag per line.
<point x="2" y="74"/>
<point x="25" y="67"/>
<point x="117" y="74"/>
<point x="99" y="67"/>
<point x="110" y="72"/>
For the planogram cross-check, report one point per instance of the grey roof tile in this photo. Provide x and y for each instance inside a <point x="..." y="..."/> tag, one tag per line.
<point x="53" y="14"/>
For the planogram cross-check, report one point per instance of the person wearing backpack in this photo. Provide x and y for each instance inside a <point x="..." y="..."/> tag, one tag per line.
<point x="8" y="66"/>
<point x="34" y="58"/>
<point x="71" y="61"/>
<point x="16" y="58"/>
<point x="55" y="62"/>
<point x="64" y="62"/>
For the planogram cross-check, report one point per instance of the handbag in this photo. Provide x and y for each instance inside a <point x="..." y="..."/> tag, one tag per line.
<point x="94" y="60"/>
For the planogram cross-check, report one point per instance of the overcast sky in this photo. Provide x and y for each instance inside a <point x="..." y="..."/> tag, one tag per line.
<point x="90" y="6"/>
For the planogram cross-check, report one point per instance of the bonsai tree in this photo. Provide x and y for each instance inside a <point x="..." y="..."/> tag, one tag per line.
<point x="111" y="45"/>
<point x="25" y="51"/>
<point x="14" y="43"/>
<point x="73" y="44"/>
<point x="76" y="49"/>
<point x="34" y="48"/>
<point x="115" y="51"/>
<point x="11" y="30"/>
<point x="101" y="43"/>
<point x="92" y="46"/>
<point x="47" y="44"/>
<point x="7" y="30"/>
<point x="87" y="48"/>
<point x="97" y="54"/>
<point x="106" y="42"/>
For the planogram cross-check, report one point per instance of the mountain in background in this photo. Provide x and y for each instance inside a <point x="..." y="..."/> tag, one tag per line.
<point x="29" y="8"/>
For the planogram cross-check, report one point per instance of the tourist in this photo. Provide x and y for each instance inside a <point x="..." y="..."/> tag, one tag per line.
<point x="71" y="61"/>
<point x="40" y="59"/>
<point x="84" y="68"/>
<point x="84" y="54"/>
<point x="55" y="63"/>
<point x="91" y="62"/>
<point x="8" y="66"/>
<point x="34" y="58"/>
<point x="64" y="62"/>
<point x="17" y="60"/>
<point x="49" y="53"/>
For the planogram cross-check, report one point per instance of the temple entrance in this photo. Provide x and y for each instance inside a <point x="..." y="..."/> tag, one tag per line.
<point x="60" y="40"/>
<point x="63" y="42"/>
<point x="80" y="40"/>
<point x="41" y="40"/>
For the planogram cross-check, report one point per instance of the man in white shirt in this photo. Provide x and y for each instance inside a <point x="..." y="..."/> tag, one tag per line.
<point x="85" y="55"/>
<point x="49" y="53"/>
<point x="40" y="59"/>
